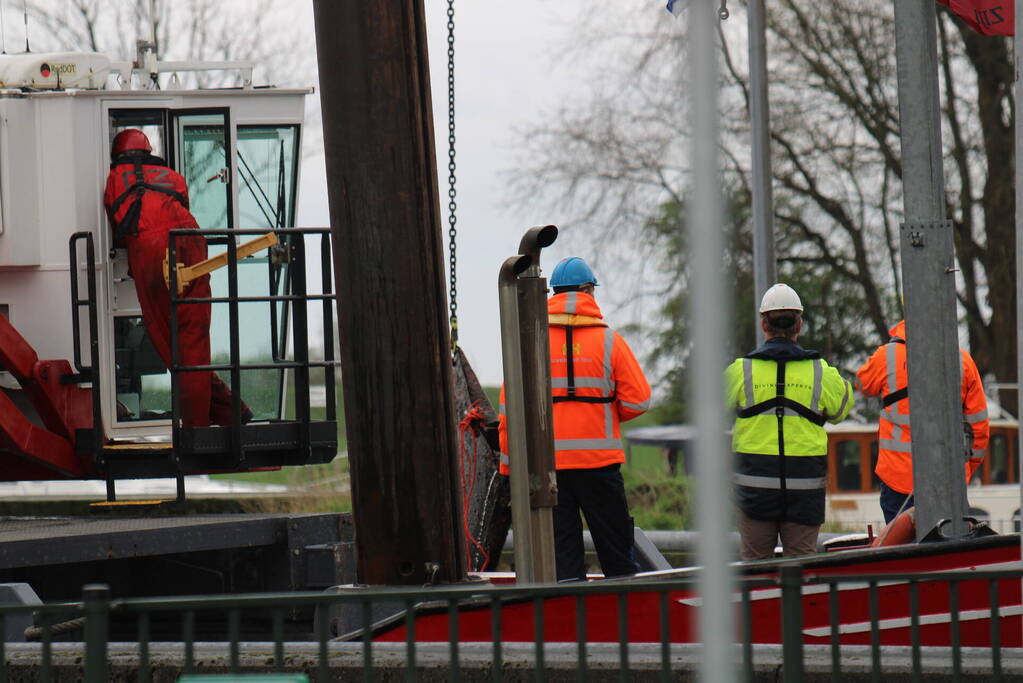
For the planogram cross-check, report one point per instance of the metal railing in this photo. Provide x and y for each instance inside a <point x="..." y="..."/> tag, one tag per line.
<point x="92" y="372"/>
<point x="295" y="296"/>
<point x="661" y="656"/>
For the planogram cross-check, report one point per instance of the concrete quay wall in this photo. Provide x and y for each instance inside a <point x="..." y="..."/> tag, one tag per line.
<point x="560" y="661"/>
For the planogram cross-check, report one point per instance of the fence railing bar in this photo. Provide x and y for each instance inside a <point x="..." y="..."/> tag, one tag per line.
<point x="96" y="605"/>
<point x="623" y="637"/>
<point x="538" y="637"/>
<point x="521" y="593"/>
<point x="188" y="635"/>
<point x="791" y="580"/>
<point x="953" y="608"/>
<point x="3" y="649"/>
<point x="145" y="675"/>
<point x="834" y="619"/>
<point x="46" y="667"/>
<point x="278" y="636"/>
<point x="580" y="637"/>
<point x="410" y="641"/>
<point x="996" y="632"/>
<point x="914" y="628"/>
<point x="453" y="640"/>
<point x="665" y="631"/>
<point x="322" y="634"/>
<point x="367" y="641"/>
<point x="747" y="633"/>
<point x="507" y="593"/>
<point x="234" y="636"/>
<point x="875" y="634"/>
<point x="497" y="636"/>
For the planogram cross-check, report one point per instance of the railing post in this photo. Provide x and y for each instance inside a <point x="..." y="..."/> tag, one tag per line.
<point x="792" y="623"/>
<point x="96" y="606"/>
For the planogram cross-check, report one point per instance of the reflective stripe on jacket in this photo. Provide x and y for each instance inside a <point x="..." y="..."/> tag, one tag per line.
<point x="779" y="441"/>
<point x="596" y="382"/>
<point x="884" y="375"/>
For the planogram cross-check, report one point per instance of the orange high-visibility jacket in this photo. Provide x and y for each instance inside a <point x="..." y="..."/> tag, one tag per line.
<point x="884" y="375"/>
<point x="596" y="382"/>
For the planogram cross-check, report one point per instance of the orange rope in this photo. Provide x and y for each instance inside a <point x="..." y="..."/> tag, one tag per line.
<point x="474" y="418"/>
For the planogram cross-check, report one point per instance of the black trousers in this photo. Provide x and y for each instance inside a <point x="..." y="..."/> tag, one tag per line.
<point x="600" y="495"/>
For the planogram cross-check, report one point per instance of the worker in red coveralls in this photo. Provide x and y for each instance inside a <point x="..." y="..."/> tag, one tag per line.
<point x="145" y="200"/>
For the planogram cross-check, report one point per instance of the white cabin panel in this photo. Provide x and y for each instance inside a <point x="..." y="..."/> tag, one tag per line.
<point x="59" y="167"/>
<point x="19" y="178"/>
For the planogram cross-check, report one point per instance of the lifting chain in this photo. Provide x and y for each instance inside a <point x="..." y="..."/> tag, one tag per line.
<point x="452" y="232"/>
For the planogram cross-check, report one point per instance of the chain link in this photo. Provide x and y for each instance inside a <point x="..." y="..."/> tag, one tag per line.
<point x="452" y="232"/>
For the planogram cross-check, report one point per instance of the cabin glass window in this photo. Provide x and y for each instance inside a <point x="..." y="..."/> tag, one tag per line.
<point x="848" y="462"/>
<point x="998" y="458"/>
<point x="266" y="174"/>
<point x="203" y="160"/>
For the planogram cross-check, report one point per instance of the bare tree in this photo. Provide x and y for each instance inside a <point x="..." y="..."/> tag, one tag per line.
<point x="210" y="30"/>
<point x="614" y="161"/>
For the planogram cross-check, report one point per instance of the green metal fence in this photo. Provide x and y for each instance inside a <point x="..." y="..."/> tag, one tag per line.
<point x="94" y="613"/>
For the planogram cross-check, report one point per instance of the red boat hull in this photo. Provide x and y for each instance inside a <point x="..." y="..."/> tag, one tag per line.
<point x="643" y="618"/>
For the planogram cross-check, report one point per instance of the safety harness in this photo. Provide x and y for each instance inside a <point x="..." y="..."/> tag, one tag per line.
<point x="895" y="396"/>
<point x="570" y="368"/>
<point x="780" y="402"/>
<point x="129" y="224"/>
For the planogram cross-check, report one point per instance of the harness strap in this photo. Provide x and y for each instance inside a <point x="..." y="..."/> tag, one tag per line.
<point x="583" y="399"/>
<point x="895" y="396"/>
<point x="782" y="402"/>
<point x="569" y="357"/>
<point x="779" y="411"/>
<point x="129" y="223"/>
<point x="570" y="368"/>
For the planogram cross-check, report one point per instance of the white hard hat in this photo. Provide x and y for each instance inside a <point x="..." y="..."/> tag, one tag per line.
<point x="780" y="297"/>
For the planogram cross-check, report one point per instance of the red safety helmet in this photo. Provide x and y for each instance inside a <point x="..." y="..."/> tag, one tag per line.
<point x="130" y="140"/>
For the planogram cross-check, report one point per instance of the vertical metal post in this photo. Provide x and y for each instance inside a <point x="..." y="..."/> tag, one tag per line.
<point x="234" y="347"/>
<point x="95" y="362"/>
<point x="709" y="313"/>
<point x="389" y="270"/>
<point x="764" y="265"/>
<point x="175" y="340"/>
<point x="515" y="415"/>
<point x="95" y="605"/>
<point x="928" y="276"/>
<point x="1018" y="99"/>
<point x="327" y="287"/>
<point x="534" y="341"/>
<point x="529" y="412"/>
<point x="300" y="318"/>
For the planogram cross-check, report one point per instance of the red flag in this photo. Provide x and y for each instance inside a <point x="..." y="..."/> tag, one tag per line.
<point x="989" y="17"/>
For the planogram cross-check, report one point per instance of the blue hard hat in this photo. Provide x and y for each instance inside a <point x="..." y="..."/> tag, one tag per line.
<point x="572" y="271"/>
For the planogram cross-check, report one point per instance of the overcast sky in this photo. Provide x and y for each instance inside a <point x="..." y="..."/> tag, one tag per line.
<point x="507" y="76"/>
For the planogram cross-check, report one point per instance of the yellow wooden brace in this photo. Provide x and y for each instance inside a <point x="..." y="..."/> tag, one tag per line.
<point x="188" y="273"/>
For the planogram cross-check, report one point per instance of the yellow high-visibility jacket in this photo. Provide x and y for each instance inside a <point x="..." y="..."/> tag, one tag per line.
<point x="782" y="395"/>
